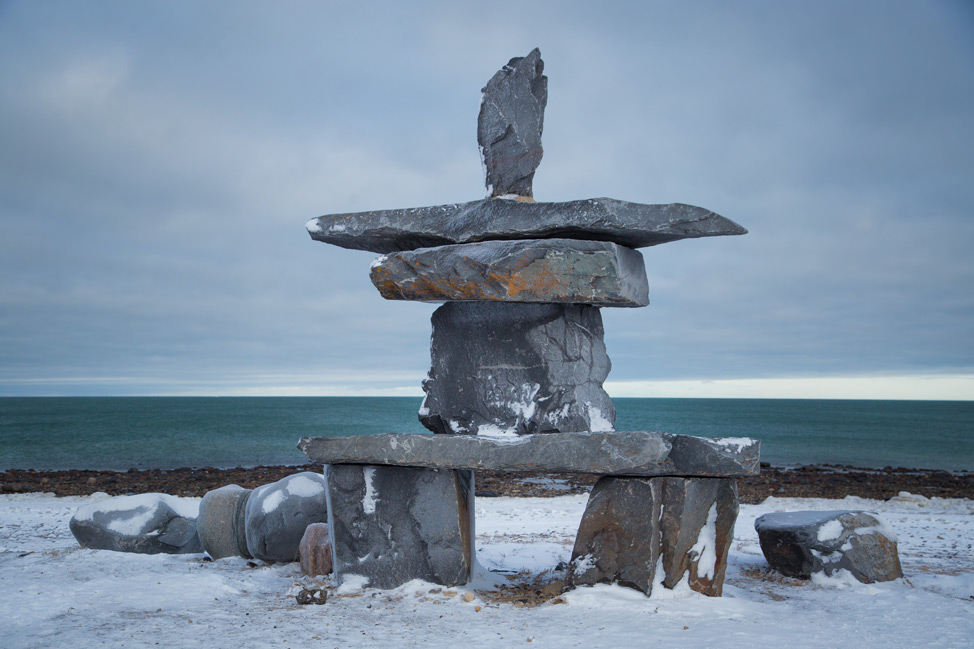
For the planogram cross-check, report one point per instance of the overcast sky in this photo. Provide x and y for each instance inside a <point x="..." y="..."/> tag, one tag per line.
<point x="158" y="161"/>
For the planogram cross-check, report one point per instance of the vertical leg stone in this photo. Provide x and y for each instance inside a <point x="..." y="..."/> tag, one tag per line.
<point x="697" y="527"/>
<point x="633" y="527"/>
<point x="517" y="368"/>
<point x="394" y="524"/>
<point x="618" y="538"/>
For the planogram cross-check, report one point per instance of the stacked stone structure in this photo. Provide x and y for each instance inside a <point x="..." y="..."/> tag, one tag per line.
<point x="517" y="351"/>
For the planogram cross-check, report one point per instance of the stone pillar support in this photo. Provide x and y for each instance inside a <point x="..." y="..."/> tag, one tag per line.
<point x="392" y="524"/>
<point x="635" y="528"/>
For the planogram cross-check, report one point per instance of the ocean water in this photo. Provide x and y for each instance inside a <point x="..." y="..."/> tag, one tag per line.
<point x="168" y="432"/>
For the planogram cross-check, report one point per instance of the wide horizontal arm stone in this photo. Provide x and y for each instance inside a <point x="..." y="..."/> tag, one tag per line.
<point x="564" y="271"/>
<point x="630" y="453"/>
<point x="634" y="225"/>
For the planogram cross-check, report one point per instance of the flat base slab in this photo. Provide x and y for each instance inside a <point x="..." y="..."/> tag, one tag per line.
<point x="628" y="453"/>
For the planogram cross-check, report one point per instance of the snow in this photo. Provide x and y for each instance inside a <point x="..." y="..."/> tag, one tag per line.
<point x="140" y="509"/>
<point x="54" y="593"/>
<point x="305" y="487"/>
<point x="495" y="433"/>
<point x="312" y="225"/>
<point x="706" y="546"/>
<point x="273" y="501"/>
<point x="830" y="530"/>
<point x="368" y="500"/>
<point x="597" y="421"/>
<point x="736" y="443"/>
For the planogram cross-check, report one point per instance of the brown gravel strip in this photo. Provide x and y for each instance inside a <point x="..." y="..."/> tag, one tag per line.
<point x="808" y="481"/>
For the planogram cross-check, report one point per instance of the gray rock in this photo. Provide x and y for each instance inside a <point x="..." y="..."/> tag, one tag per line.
<point x="501" y="368"/>
<point x="564" y="271"/>
<point x="314" y="551"/>
<point x="278" y="513"/>
<point x="221" y="522"/>
<point x="393" y="524"/>
<point x="618" y="538"/>
<point x="623" y="453"/>
<point x="510" y="124"/>
<point x="149" y="523"/>
<point x="712" y="456"/>
<point x="696" y="530"/>
<point x="628" y="453"/>
<point x="633" y="225"/>
<point x="798" y="544"/>
<point x="634" y="526"/>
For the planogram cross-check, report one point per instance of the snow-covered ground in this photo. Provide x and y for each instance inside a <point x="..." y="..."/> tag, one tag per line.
<point x="56" y="594"/>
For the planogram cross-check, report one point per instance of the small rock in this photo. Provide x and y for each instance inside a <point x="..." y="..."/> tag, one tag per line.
<point x="312" y="596"/>
<point x="277" y="515"/>
<point x="314" y="551"/>
<point x="468" y="596"/>
<point x="798" y="544"/>
<point x="149" y="523"/>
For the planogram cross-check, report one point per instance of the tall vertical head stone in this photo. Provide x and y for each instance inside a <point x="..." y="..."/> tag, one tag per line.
<point x="510" y="124"/>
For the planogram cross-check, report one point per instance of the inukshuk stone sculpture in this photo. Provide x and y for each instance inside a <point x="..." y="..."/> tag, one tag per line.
<point x="517" y="350"/>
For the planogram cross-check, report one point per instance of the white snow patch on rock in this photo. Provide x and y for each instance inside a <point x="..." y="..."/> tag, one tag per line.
<point x="304" y="486"/>
<point x="830" y="530"/>
<point x="368" y="500"/>
<point x="597" y="422"/>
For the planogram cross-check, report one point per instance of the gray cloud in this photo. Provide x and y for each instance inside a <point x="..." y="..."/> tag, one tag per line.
<point x="160" y="159"/>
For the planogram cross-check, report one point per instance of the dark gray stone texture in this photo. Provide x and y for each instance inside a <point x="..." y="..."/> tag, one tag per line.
<point x="634" y="526"/>
<point x="278" y="513"/>
<point x="633" y="225"/>
<point x="314" y="550"/>
<point x="563" y="271"/>
<point x="712" y="456"/>
<point x="618" y="540"/>
<point x="150" y="523"/>
<point x="622" y="453"/>
<point x="391" y="525"/>
<point x="221" y="522"/>
<point x="510" y="124"/>
<point x="628" y="453"/>
<point x="696" y="531"/>
<point x="506" y="368"/>
<point x="798" y="544"/>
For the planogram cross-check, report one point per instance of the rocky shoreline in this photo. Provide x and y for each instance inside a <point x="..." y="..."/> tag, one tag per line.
<point x="827" y="481"/>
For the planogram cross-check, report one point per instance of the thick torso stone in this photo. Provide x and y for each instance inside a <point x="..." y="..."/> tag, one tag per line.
<point x="633" y="225"/>
<point x="221" y="522"/>
<point x="278" y="513"/>
<point x="314" y="551"/>
<point x="502" y="368"/>
<point x="510" y="124"/>
<point x="563" y="271"/>
<point x="798" y="544"/>
<point x="150" y="523"/>
<point x="391" y="525"/>
<point x="632" y="453"/>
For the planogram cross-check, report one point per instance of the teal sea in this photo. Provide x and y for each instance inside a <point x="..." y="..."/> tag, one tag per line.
<point x="168" y="432"/>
